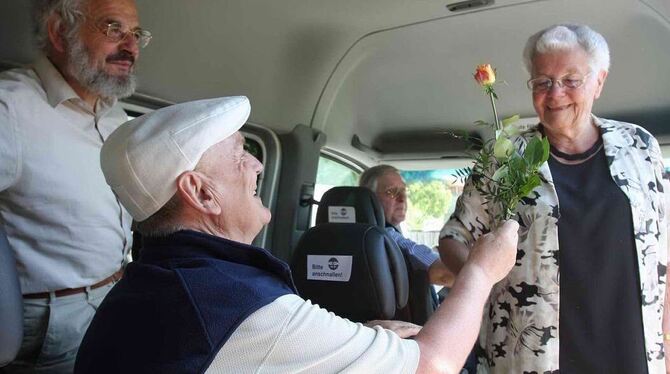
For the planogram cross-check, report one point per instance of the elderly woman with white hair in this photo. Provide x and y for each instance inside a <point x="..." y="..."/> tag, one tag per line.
<point x="598" y="220"/>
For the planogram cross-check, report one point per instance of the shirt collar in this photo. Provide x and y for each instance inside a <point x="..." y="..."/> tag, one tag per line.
<point x="394" y="227"/>
<point x="58" y="90"/>
<point x="614" y="139"/>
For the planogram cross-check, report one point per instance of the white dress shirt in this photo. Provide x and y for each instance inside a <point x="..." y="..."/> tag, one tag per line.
<point x="290" y="335"/>
<point x="64" y="224"/>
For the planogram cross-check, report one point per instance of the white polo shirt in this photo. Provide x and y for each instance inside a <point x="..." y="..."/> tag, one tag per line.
<point x="290" y="335"/>
<point x="64" y="224"/>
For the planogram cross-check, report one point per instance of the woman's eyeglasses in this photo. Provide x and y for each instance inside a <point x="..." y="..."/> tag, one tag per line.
<point x="543" y="84"/>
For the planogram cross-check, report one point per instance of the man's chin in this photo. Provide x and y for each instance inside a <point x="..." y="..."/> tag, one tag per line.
<point x="119" y="75"/>
<point x="267" y="216"/>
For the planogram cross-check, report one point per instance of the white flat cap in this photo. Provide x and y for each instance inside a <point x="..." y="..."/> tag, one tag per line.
<point x="142" y="159"/>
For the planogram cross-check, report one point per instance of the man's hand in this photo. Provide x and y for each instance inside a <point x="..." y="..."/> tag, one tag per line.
<point x="439" y="274"/>
<point x="495" y="252"/>
<point x="402" y="328"/>
<point x="448" y="336"/>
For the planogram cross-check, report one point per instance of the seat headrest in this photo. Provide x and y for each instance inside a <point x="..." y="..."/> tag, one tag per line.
<point x="350" y="205"/>
<point x="353" y="270"/>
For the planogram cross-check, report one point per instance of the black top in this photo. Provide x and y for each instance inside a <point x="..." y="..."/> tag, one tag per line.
<point x="600" y="304"/>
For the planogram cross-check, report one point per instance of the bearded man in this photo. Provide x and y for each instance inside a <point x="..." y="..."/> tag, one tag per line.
<point x="68" y="232"/>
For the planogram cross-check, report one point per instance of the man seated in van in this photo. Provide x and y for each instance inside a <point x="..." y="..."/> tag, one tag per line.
<point x="385" y="181"/>
<point x="201" y="297"/>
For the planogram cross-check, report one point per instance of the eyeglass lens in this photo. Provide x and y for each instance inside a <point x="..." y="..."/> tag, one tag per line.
<point x="115" y="33"/>
<point x="545" y="84"/>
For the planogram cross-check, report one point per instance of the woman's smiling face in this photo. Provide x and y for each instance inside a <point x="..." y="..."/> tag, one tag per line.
<point x="562" y="108"/>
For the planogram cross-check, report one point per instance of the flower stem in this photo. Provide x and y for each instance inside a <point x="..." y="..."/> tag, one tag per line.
<point x="495" y="114"/>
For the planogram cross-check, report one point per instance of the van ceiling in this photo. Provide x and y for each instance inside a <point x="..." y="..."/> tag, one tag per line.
<point x="369" y="67"/>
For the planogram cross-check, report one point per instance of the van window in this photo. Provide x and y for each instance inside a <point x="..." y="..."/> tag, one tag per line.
<point x="254" y="148"/>
<point x="431" y="199"/>
<point x="331" y="173"/>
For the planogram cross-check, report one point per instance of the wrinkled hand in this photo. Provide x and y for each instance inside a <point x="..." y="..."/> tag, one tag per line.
<point x="438" y="273"/>
<point x="495" y="252"/>
<point x="402" y="328"/>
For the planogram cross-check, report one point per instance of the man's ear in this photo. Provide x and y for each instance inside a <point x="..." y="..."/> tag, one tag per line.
<point x="197" y="193"/>
<point x="55" y="33"/>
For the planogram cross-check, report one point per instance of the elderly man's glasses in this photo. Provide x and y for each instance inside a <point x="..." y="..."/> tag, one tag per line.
<point x="396" y="192"/>
<point x="544" y="84"/>
<point x="114" y="32"/>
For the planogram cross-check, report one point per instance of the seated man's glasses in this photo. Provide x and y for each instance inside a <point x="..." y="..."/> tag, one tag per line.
<point x="543" y="84"/>
<point x="396" y="192"/>
<point x="114" y="32"/>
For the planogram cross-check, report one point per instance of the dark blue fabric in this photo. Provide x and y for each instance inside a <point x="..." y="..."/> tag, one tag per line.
<point x="601" y="314"/>
<point x="177" y="306"/>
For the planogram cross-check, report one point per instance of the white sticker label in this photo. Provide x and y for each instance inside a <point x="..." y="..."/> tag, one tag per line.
<point x="329" y="268"/>
<point x="341" y="214"/>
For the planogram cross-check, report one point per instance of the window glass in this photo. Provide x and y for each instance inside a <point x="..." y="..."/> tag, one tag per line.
<point x="132" y="114"/>
<point x="256" y="150"/>
<point x="431" y="199"/>
<point x="329" y="174"/>
<point x="253" y="147"/>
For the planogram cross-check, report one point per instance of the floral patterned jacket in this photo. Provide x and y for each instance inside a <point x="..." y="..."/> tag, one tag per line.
<point x="520" y="327"/>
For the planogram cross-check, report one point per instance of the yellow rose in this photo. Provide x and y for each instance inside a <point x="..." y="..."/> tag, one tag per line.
<point x="485" y="75"/>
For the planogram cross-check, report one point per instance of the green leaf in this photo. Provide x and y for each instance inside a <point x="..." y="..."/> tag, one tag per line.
<point x="500" y="173"/>
<point x="517" y="165"/>
<point x="545" y="150"/>
<point x="534" y="153"/>
<point x="532" y="182"/>
<point x="509" y="120"/>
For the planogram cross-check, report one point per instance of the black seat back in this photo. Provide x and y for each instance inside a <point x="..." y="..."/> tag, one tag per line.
<point x="422" y="300"/>
<point x="363" y="201"/>
<point x="352" y="269"/>
<point x="11" y="305"/>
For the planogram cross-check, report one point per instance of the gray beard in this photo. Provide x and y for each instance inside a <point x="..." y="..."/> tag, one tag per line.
<point x="94" y="79"/>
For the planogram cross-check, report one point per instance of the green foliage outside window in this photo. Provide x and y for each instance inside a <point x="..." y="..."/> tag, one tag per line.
<point x="254" y="148"/>
<point x="333" y="173"/>
<point x="427" y="200"/>
<point x="431" y="196"/>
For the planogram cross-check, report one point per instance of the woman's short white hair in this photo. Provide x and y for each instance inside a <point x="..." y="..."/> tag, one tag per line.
<point x="565" y="37"/>
<point x="70" y="17"/>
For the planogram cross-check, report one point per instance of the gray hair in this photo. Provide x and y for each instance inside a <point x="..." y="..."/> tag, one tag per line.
<point x="568" y="36"/>
<point x="70" y="17"/>
<point x="370" y="176"/>
<point x="165" y="221"/>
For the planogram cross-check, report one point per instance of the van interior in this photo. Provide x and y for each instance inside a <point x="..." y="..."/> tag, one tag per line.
<point x="339" y="86"/>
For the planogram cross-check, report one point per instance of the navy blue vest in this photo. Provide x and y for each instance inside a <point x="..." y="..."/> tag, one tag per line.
<point x="177" y="306"/>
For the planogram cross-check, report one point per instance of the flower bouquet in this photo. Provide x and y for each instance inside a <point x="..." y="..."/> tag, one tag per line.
<point x="501" y="174"/>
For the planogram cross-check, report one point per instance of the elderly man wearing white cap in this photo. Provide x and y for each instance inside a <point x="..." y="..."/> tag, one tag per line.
<point x="201" y="298"/>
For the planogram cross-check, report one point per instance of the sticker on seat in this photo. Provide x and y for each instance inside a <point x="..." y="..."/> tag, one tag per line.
<point x="329" y="268"/>
<point x="341" y="214"/>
